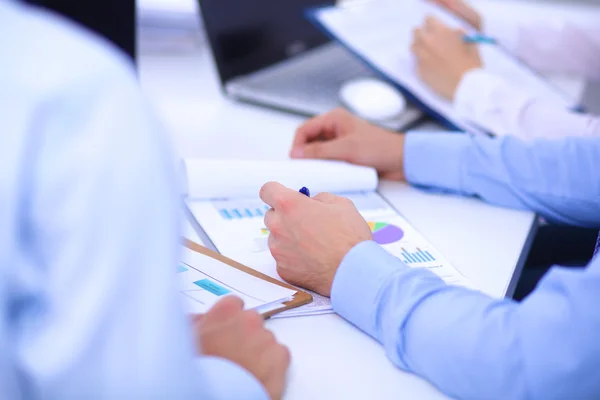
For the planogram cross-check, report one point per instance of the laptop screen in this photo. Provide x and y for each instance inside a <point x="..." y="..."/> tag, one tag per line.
<point x="248" y="35"/>
<point x="113" y="19"/>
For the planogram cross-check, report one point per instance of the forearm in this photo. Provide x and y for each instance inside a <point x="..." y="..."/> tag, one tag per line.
<point x="559" y="179"/>
<point x="467" y="344"/>
<point x="504" y="108"/>
<point x="427" y="327"/>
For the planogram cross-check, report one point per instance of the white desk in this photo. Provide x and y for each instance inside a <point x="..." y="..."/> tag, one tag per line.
<point x="330" y="358"/>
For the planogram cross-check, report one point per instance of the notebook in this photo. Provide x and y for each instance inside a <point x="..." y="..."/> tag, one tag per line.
<point x="380" y="34"/>
<point x="222" y="198"/>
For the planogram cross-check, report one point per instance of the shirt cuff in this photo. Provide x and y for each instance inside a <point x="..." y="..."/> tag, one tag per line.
<point x="435" y="159"/>
<point x="504" y="31"/>
<point x="473" y="99"/>
<point x="227" y="380"/>
<point x="358" y="282"/>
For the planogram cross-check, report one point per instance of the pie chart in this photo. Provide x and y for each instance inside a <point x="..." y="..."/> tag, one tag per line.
<point x="384" y="233"/>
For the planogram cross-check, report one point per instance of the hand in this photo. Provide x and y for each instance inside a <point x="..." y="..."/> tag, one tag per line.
<point x="229" y="332"/>
<point x="462" y="10"/>
<point x="339" y="135"/>
<point x="442" y="56"/>
<point x="310" y="236"/>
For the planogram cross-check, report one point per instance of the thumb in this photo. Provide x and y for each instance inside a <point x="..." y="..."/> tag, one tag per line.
<point x="329" y="150"/>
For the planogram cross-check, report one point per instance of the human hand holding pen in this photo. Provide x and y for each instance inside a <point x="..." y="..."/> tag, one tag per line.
<point x="442" y="56"/>
<point x="310" y="236"/>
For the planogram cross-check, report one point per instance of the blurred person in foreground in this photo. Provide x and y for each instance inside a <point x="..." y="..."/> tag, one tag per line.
<point x="90" y="237"/>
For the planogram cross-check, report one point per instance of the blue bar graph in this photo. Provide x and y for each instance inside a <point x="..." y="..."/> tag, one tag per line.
<point x="225" y="214"/>
<point x="243" y="212"/>
<point x="417" y="257"/>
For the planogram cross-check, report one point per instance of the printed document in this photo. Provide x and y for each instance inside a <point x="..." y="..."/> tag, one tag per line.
<point x="381" y="32"/>
<point x="226" y="207"/>
<point x="204" y="281"/>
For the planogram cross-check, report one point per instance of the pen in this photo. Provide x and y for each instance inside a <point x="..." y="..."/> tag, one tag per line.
<point x="478" y="38"/>
<point x="304" y="190"/>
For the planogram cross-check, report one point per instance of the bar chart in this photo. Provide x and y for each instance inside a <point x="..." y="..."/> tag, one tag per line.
<point x="417" y="256"/>
<point x="230" y="210"/>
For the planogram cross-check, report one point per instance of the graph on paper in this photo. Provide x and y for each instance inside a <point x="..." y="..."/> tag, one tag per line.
<point x="384" y="233"/>
<point x="417" y="257"/>
<point x="231" y="210"/>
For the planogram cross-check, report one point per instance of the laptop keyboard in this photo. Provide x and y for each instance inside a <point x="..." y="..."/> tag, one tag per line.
<point x="309" y="84"/>
<point x="312" y="79"/>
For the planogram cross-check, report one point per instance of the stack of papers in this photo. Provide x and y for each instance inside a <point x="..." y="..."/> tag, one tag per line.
<point x="229" y="216"/>
<point x="204" y="281"/>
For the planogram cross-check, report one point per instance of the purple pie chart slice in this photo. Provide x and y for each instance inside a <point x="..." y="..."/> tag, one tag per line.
<point x="384" y="233"/>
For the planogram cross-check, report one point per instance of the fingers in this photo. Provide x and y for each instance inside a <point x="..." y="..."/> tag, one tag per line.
<point x="311" y="130"/>
<point x="252" y="321"/>
<point x="444" y="3"/>
<point x="222" y="313"/>
<point x="331" y="150"/>
<point x="429" y="23"/>
<point x="321" y="127"/>
<point x="434" y="26"/>
<point x="227" y="306"/>
<point x="421" y="43"/>
<point x="273" y="224"/>
<point x="278" y="196"/>
<point x="326" y="198"/>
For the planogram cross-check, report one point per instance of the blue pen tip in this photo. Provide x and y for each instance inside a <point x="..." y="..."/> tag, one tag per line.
<point x="304" y="190"/>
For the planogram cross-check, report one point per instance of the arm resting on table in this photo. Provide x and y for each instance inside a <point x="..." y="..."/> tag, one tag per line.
<point x="472" y="346"/>
<point x="559" y="179"/>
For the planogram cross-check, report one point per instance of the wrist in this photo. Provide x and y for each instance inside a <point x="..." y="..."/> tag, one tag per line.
<point x="400" y="158"/>
<point x="394" y="166"/>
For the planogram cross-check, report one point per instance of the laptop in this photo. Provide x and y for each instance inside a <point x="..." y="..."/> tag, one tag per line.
<point x="267" y="53"/>
<point x="112" y="19"/>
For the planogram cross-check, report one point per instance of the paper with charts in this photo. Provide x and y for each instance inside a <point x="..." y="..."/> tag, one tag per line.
<point x="381" y="32"/>
<point x="227" y="208"/>
<point x="204" y="280"/>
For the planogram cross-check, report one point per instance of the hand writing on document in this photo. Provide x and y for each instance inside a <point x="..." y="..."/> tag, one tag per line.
<point x="442" y="57"/>
<point x="462" y="10"/>
<point x="339" y="135"/>
<point x="310" y="236"/>
<point x="229" y="332"/>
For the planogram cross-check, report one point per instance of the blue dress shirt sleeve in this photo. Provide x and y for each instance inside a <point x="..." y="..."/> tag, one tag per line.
<point x="559" y="179"/>
<point x="472" y="346"/>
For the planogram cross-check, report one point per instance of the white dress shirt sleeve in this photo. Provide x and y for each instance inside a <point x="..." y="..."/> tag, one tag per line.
<point x="503" y="108"/>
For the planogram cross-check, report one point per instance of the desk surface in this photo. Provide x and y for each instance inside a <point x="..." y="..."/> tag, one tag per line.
<point x="330" y="358"/>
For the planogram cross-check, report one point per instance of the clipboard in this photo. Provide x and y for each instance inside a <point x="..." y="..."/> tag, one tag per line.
<point x="312" y="15"/>
<point x="300" y="298"/>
